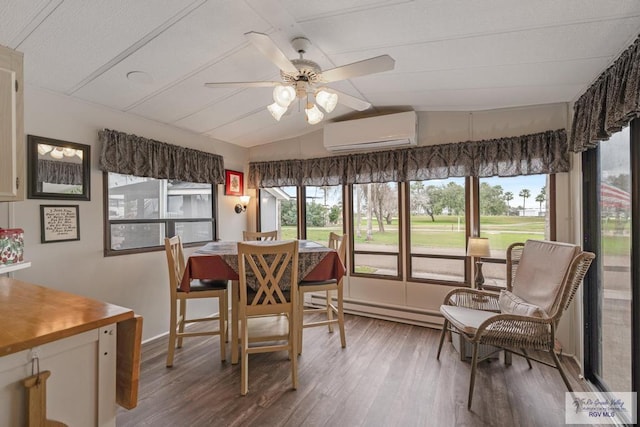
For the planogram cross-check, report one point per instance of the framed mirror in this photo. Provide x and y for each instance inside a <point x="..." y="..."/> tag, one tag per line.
<point x="57" y="170"/>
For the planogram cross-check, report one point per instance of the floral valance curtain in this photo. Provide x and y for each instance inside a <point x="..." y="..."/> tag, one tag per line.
<point x="135" y="155"/>
<point x="610" y="103"/>
<point x="544" y="152"/>
<point x="55" y="172"/>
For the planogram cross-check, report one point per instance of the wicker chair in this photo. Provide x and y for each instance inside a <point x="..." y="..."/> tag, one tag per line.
<point x="542" y="279"/>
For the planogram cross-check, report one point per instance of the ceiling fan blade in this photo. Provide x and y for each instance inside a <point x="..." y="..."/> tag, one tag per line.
<point x="360" y="68"/>
<point x="350" y="101"/>
<point x="243" y="84"/>
<point x="269" y="49"/>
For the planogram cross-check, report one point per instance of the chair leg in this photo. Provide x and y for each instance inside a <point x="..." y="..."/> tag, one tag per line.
<point x="343" y="337"/>
<point x="300" y="321"/>
<point x="293" y="342"/>
<point x="559" y="366"/>
<point x="182" y="319"/>
<point x="329" y="311"/>
<point x="222" y="318"/>
<point x="474" y="366"/>
<point x="507" y="357"/>
<point x="172" y="333"/>
<point x="526" y="356"/>
<point x="445" y="326"/>
<point x="244" y="358"/>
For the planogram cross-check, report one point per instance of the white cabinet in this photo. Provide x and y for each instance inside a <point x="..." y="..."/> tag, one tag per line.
<point x="12" y="176"/>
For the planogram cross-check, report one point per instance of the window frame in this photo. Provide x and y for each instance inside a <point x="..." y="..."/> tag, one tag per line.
<point x="168" y="222"/>
<point x="410" y="255"/>
<point x="353" y="252"/>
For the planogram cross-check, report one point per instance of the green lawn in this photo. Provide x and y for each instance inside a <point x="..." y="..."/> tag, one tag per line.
<point x="446" y="232"/>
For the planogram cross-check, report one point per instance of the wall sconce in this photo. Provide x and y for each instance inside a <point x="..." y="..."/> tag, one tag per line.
<point x="478" y="248"/>
<point x="242" y="206"/>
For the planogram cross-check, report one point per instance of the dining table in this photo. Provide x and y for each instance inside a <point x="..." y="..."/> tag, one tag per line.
<point x="219" y="260"/>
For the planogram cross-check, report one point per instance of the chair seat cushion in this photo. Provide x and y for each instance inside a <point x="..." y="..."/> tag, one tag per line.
<point x="513" y="304"/>
<point x="207" y="285"/>
<point x="466" y="320"/>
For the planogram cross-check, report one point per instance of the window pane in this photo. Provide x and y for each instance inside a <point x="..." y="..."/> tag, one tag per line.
<point x="512" y="210"/>
<point x="437" y="223"/>
<point x="195" y="231"/>
<point x="615" y="261"/>
<point x="279" y="211"/>
<point x="132" y="197"/>
<point x="384" y="265"/>
<point x="132" y="236"/>
<point x="323" y="212"/>
<point x="438" y="269"/>
<point x="375" y="217"/>
<point x="188" y="200"/>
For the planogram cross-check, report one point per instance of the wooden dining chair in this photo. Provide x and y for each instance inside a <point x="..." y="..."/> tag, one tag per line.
<point x="178" y="300"/>
<point x="248" y="236"/>
<point x="337" y="242"/>
<point x="268" y="277"/>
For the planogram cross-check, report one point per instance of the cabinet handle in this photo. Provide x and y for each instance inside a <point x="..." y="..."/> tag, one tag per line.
<point x="17" y="182"/>
<point x="17" y="85"/>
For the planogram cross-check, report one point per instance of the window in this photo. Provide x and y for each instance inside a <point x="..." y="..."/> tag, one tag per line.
<point x="376" y="229"/>
<point x="513" y="209"/>
<point x="323" y="212"/>
<point x="438" y="230"/>
<point x="279" y="211"/>
<point x="141" y="212"/>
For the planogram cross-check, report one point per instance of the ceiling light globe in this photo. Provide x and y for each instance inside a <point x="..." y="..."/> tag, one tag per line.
<point x="57" y="153"/>
<point x="276" y="110"/>
<point x="314" y="115"/>
<point x="327" y="100"/>
<point x="69" y="152"/>
<point x="284" y="95"/>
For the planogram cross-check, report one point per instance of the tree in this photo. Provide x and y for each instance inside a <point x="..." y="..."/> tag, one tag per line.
<point x="491" y="199"/>
<point x="334" y="214"/>
<point x="508" y="196"/>
<point x="288" y="212"/>
<point x="541" y="198"/>
<point x="420" y="200"/>
<point x="525" y="194"/>
<point x="316" y="214"/>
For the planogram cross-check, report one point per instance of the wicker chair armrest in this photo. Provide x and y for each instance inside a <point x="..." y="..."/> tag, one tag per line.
<point x="473" y="298"/>
<point x="512" y="330"/>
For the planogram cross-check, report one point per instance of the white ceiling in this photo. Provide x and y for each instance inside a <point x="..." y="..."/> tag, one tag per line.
<point x="450" y="54"/>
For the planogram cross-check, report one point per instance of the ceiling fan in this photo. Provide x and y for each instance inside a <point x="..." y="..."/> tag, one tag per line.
<point x="304" y="79"/>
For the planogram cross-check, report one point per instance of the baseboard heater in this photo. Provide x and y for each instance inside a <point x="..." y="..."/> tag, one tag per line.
<point x="411" y="316"/>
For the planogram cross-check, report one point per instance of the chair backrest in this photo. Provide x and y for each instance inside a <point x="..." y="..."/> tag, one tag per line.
<point x="268" y="277"/>
<point x="547" y="274"/>
<point x="248" y="236"/>
<point x="175" y="261"/>
<point x="339" y="243"/>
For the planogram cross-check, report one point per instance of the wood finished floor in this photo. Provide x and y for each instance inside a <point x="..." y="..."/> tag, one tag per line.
<point x="387" y="375"/>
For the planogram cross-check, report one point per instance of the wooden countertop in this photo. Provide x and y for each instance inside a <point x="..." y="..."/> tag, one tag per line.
<point x="32" y="315"/>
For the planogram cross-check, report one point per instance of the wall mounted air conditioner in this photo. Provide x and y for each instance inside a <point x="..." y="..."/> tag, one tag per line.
<point x="391" y="130"/>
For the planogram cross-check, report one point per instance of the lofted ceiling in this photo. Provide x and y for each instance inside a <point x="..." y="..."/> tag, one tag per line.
<point x="450" y="54"/>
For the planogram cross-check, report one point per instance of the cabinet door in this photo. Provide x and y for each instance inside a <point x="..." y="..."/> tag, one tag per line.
<point x="11" y="126"/>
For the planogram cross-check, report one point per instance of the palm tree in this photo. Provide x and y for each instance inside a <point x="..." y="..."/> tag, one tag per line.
<point x="525" y="194"/>
<point x="540" y="198"/>
<point x="508" y="196"/>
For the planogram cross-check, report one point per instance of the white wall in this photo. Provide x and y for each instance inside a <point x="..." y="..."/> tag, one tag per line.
<point x="441" y="128"/>
<point x="138" y="281"/>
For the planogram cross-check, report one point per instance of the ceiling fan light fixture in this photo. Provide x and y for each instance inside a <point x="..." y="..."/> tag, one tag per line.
<point x="326" y="100"/>
<point x="276" y="110"/>
<point x="314" y="115"/>
<point x="284" y="95"/>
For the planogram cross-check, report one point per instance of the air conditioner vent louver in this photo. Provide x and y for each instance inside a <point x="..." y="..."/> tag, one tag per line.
<point x="391" y="130"/>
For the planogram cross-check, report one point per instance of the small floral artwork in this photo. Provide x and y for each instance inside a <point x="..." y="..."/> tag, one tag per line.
<point x="11" y="246"/>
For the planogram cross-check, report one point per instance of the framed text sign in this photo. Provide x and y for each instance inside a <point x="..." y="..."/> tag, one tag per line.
<point x="59" y="223"/>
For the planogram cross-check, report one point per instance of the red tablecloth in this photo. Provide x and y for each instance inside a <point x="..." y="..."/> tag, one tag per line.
<point x="219" y="260"/>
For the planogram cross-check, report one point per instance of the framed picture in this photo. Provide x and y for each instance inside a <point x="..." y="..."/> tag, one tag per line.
<point x="233" y="183"/>
<point x="59" y="223"/>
